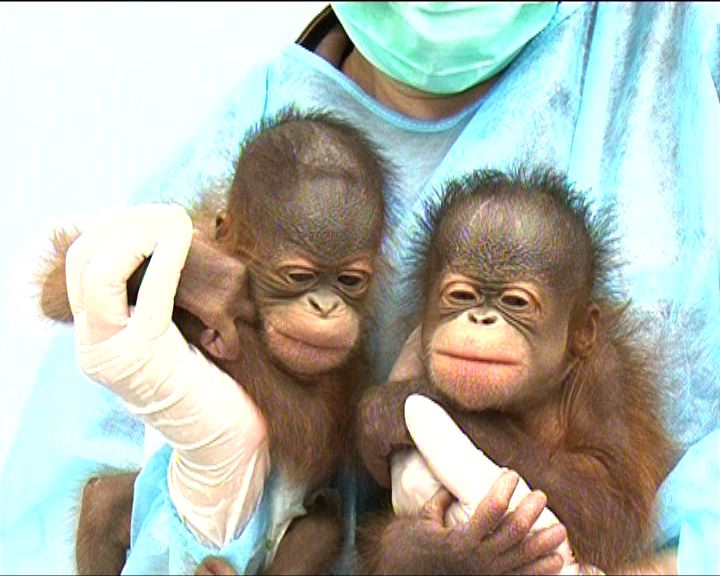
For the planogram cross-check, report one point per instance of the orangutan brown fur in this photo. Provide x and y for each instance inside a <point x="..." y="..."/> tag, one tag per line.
<point x="296" y="236"/>
<point x="538" y="361"/>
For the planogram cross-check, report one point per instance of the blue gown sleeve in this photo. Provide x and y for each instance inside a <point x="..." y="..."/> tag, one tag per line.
<point x="690" y="508"/>
<point x="161" y="544"/>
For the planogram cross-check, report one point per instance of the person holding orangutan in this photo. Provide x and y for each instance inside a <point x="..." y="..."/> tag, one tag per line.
<point x="613" y="100"/>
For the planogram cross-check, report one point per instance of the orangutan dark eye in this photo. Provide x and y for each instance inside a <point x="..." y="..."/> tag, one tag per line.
<point x="300" y="276"/>
<point x="349" y="280"/>
<point x="515" y="301"/>
<point x="353" y="283"/>
<point x="460" y="294"/>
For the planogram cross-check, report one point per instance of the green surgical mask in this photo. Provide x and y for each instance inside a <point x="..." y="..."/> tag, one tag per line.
<point x="442" y="47"/>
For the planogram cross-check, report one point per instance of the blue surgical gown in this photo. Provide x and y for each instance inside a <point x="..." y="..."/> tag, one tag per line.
<point x="622" y="96"/>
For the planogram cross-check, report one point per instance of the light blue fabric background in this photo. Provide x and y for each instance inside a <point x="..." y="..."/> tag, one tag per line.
<point x="623" y="96"/>
<point x="94" y="98"/>
<point x="690" y="508"/>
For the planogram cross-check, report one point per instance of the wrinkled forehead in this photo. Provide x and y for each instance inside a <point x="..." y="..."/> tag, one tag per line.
<point x="513" y="237"/>
<point x="331" y="216"/>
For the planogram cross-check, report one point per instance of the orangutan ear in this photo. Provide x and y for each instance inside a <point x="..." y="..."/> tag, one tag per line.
<point x="585" y="336"/>
<point x="220" y="225"/>
<point x="213" y="343"/>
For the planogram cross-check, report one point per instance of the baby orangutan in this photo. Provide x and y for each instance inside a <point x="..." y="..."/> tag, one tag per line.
<point x="276" y="290"/>
<point x="526" y="347"/>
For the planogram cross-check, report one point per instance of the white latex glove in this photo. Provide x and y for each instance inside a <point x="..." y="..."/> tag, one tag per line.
<point x="448" y="458"/>
<point x="221" y="458"/>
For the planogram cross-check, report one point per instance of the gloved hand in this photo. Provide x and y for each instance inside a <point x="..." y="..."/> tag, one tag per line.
<point x="219" y="436"/>
<point x="446" y="457"/>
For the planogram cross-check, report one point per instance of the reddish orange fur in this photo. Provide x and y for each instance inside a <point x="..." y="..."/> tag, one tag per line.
<point x="597" y="449"/>
<point x="53" y="297"/>
<point x="593" y="440"/>
<point x="309" y="419"/>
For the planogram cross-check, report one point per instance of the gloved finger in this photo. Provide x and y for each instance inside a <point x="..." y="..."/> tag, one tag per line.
<point x="90" y="247"/>
<point x="129" y="240"/>
<point x="458" y="464"/>
<point x="81" y="251"/>
<point x="450" y="455"/>
<point x="153" y="311"/>
<point x="412" y="482"/>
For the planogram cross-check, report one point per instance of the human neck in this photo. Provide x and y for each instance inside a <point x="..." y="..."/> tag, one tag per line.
<point x="406" y="99"/>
